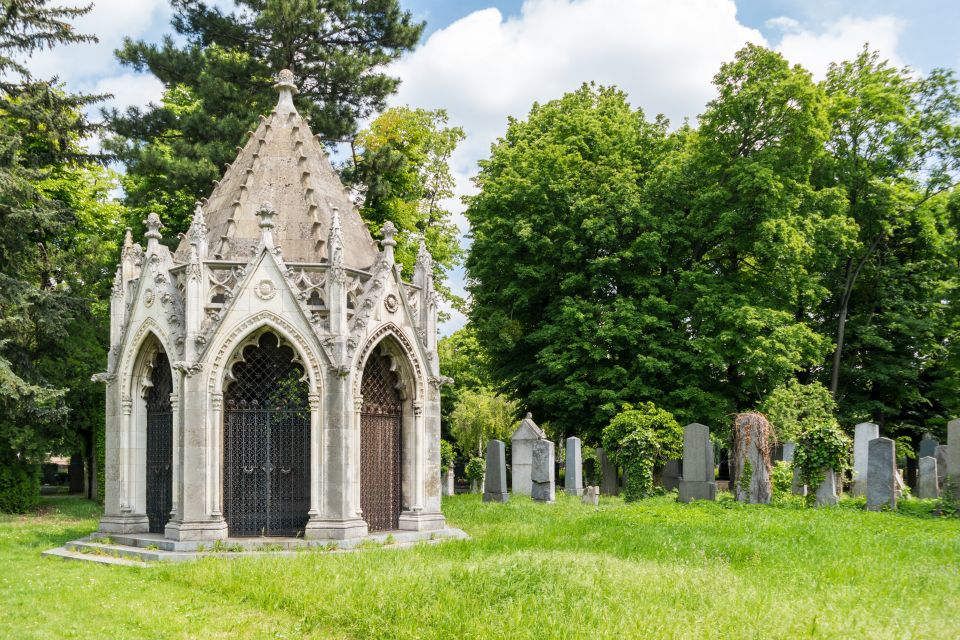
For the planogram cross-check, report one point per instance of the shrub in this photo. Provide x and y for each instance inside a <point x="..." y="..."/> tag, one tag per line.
<point x="474" y="469"/>
<point x="19" y="487"/>
<point x="782" y="477"/>
<point x="639" y="438"/>
<point x="446" y="456"/>
<point x="793" y="407"/>
<point x="821" y="447"/>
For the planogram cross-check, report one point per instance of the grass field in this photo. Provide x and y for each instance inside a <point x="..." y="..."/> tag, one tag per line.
<point x="654" y="569"/>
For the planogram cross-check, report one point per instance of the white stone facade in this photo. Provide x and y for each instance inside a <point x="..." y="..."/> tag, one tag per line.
<point x="312" y="275"/>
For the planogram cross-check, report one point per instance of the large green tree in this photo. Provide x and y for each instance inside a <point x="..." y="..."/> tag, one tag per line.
<point x="54" y="262"/>
<point x="217" y="76"/>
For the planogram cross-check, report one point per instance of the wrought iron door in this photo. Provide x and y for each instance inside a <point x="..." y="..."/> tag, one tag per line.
<point x="380" y="446"/>
<point x="266" y="443"/>
<point x="159" y="445"/>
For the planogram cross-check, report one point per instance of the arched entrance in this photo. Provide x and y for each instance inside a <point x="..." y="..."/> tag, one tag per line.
<point x="381" y="420"/>
<point x="266" y="455"/>
<point x="159" y="479"/>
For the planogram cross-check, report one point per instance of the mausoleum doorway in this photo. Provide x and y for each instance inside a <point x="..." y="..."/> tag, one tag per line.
<point x="266" y="453"/>
<point x="159" y="480"/>
<point x="381" y="426"/>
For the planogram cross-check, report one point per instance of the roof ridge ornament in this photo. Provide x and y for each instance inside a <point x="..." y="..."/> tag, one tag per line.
<point x="286" y="86"/>
<point x="335" y="245"/>
<point x="389" y="230"/>
<point x="152" y="235"/>
<point x="266" y="213"/>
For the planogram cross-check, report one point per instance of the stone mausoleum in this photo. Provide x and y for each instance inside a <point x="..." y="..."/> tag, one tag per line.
<point x="274" y="375"/>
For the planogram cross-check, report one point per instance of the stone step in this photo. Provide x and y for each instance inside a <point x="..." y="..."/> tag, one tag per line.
<point x="66" y="554"/>
<point x="129" y="552"/>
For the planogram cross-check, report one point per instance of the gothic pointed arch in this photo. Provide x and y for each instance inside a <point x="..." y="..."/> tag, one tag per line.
<point x="401" y="350"/>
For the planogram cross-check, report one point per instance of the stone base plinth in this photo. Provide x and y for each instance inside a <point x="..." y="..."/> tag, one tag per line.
<point x="574" y="492"/>
<point x="420" y="521"/>
<point x="125" y="523"/>
<point x="496" y="497"/>
<point x="335" y="529"/>
<point x="196" y="530"/>
<point x="691" y="490"/>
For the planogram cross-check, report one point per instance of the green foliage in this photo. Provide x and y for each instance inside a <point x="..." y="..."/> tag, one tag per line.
<point x="463" y="359"/>
<point x="638" y="439"/>
<point x="781" y="477"/>
<point x="480" y="416"/>
<point x="19" y="486"/>
<point x="217" y="72"/>
<point x="474" y="470"/>
<point x="820" y="447"/>
<point x="904" y="448"/>
<point x="447" y="456"/>
<point x="403" y="169"/>
<point x="793" y="407"/>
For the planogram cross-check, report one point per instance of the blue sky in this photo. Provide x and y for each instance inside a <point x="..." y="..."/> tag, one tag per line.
<point x="485" y="60"/>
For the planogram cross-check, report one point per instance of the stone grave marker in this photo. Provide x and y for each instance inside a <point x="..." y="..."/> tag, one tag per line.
<point x="953" y="457"/>
<point x="591" y="496"/>
<point x="751" y="457"/>
<point x="573" y="470"/>
<point x="541" y="472"/>
<point x="521" y="453"/>
<point x="447" y="482"/>
<point x="862" y="435"/>
<point x="789" y="448"/>
<point x="698" y="480"/>
<point x="495" y="481"/>
<point x="928" y="446"/>
<point x="608" y="474"/>
<point x="671" y="475"/>
<point x="827" y="491"/>
<point x="927" y="484"/>
<point x="881" y="474"/>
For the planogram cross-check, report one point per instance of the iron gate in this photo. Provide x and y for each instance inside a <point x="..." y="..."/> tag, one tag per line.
<point x="266" y="458"/>
<point x="159" y="445"/>
<point x="380" y="446"/>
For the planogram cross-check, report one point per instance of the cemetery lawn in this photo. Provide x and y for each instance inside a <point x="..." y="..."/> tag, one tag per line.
<point x="653" y="569"/>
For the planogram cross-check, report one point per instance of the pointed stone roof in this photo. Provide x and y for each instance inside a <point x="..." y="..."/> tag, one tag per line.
<point x="284" y="164"/>
<point x="528" y="430"/>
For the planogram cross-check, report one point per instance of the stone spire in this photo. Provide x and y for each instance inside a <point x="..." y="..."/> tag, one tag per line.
<point x="287" y="88"/>
<point x="197" y="233"/>
<point x="152" y="235"/>
<point x="335" y="244"/>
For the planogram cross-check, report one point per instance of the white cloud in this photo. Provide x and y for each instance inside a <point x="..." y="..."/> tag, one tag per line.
<point x="783" y="23"/>
<point x="842" y="40"/>
<point x="129" y="89"/>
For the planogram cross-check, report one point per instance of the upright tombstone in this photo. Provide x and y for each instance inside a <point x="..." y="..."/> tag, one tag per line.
<point x="881" y="474"/>
<point x="608" y="474"/>
<point x="495" y="480"/>
<point x="698" y="481"/>
<point x="672" y="472"/>
<point x="521" y="453"/>
<point x="927" y="483"/>
<point x="751" y="457"/>
<point x="573" y="471"/>
<point x="941" y="456"/>
<point x="953" y="457"/>
<point x="541" y="472"/>
<point x="789" y="449"/>
<point x="826" y="495"/>
<point x="447" y="480"/>
<point x="862" y="435"/>
<point x="928" y="446"/>
<point x="591" y="496"/>
<point x="797" y="487"/>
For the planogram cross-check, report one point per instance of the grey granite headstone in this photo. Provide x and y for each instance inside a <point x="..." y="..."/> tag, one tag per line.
<point x="698" y="479"/>
<point x="521" y="453"/>
<point x="827" y="491"/>
<point x="881" y="474"/>
<point x="953" y="455"/>
<point x="789" y="448"/>
<point x="928" y="446"/>
<point x="573" y="470"/>
<point x="446" y="480"/>
<point x="591" y="496"/>
<point x="541" y="472"/>
<point x="608" y="474"/>
<point x="797" y="487"/>
<point x="927" y="484"/>
<point x="495" y="481"/>
<point x="941" y="456"/>
<point x="862" y="435"/>
<point x="671" y="475"/>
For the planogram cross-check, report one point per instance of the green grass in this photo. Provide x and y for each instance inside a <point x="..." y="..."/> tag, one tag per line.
<point x="654" y="569"/>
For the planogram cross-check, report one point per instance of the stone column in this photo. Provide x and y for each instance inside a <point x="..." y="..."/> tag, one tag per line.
<point x="495" y="478"/>
<point x="863" y="434"/>
<point x="216" y="455"/>
<point x="881" y="474"/>
<point x="541" y="472"/>
<point x="316" y="455"/>
<point x="698" y="480"/>
<point x="118" y="517"/>
<point x="927" y="485"/>
<point x="573" y="471"/>
<point x="177" y="422"/>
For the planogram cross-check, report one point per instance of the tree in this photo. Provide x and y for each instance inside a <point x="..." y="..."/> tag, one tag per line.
<point x="217" y="78"/>
<point x="480" y="416"/>
<point x="53" y="264"/>
<point x="403" y="170"/>
<point x="793" y="407"/>
<point x="467" y="363"/>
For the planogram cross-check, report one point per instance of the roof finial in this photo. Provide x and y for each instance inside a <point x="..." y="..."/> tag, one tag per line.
<point x="286" y="87"/>
<point x="266" y="213"/>
<point x="152" y="235"/>
<point x="388" y="230"/>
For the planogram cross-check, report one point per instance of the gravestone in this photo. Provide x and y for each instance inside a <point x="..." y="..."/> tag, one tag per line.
<point x="573" y="471"/>
<point x="591" y="496"/>
<point x="608" y="474"/>
<point x="862" y="435"/>
<point x="447" y="482"/>
<point x="789" y="448"/>
<point x="927" y="484"/>
<point x="827" y="491"/>
<point x="698" y="479"/>
<point x="797" y="487"/>
<point x="941" y="456"/>
<point x="928" y="446"/>
<point x="541" y="472"/>
<point x="672" y="472"/>
<point x="495" y="481"/>
<point x="521" y="453"/>
<point x="953" y="457"/>
<point x="751" y="456"/>
<point x="881" y="474"/>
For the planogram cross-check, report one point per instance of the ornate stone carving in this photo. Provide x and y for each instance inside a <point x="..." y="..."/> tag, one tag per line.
<point x="148" y="297"/>
<point x="189" y="369"/>
<point x="409" y="352"/>
<point x="391" y="303"/>
<point x="265" y="289"/>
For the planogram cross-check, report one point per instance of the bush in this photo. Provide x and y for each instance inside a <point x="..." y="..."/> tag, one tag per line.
<point x="19" y="487"/>
<point x="446" y="456"/>
<point x="782" y="477"/>
<point x="637" y="439"/>
<point x="474" y="469"/>
<point x="821" y="447"/>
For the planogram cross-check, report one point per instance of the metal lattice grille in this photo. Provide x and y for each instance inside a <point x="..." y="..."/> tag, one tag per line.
<point x="159" y="445"/>
<point x="267" y="443"/>
<point x="380" y="446"/>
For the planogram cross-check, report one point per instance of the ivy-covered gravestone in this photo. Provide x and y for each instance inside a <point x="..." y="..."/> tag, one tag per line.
<point x="751" y="458"/>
